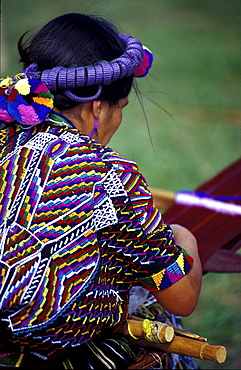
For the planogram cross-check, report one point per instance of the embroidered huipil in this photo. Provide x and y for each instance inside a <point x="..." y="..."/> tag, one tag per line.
<point x="78" y="228"/>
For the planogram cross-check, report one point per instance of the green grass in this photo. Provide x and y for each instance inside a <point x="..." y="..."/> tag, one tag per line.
<point x="194" y="121"/>
<point x="218" y="317"/>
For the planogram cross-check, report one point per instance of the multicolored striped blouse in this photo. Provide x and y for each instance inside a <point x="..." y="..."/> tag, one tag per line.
<point x="78" y="228"/>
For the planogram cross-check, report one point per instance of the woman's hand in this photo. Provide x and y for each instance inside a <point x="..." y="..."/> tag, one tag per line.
<point x="181" y="298"/>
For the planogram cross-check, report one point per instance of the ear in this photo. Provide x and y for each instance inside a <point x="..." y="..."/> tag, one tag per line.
<point x="96" y="108"/>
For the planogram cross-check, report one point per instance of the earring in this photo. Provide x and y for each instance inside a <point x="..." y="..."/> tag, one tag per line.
<point x="95" y="129"/>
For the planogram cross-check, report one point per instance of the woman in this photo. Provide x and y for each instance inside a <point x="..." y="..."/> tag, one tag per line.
<point x="78" y="224"/>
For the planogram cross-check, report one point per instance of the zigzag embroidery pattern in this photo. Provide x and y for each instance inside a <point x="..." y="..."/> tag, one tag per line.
<point x="75" y="236"/>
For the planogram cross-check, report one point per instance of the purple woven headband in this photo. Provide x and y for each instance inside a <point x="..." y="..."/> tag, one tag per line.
<point x="103" y="73"/>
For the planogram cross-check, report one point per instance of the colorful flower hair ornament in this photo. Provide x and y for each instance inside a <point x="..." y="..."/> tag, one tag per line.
<point x="25" y="100"/>
<point x="146" y="64"/>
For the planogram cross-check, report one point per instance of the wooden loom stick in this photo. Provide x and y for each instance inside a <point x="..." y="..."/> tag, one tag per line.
<point x="207" y="225"/>
<point x="218" y="235"/>
<point x="163" y="199"/>
<point x="155" y="330"/>
<point x="176" y="330"/>
<point x="223" y="259"/>
<point x="173" y="340"/>
<point x="187" y="347"/>
<point x="187" y="334"/>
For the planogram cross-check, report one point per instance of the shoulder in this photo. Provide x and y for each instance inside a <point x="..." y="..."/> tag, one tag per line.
<point x="120" y="163"/>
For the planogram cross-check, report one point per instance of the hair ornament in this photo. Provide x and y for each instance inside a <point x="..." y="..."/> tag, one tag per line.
<point x="26" y="100"/>
<point x="146" y="63"/>
<point x="135" y="60"/>
<point x="27" y="96"/>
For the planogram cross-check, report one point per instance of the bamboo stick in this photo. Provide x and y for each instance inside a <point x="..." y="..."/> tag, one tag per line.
<point x="154" y="334"/>
<point x="184" y="333"/>
<point x="177" y="331"/>
<point x="152" y="331"/>
<point x="187" y="347"/>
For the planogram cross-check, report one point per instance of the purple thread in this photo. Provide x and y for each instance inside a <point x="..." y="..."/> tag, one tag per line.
<point x="98" y="74"/>
<point x="203" y="194"/>
<point x="103" y="73"/>
<point x="80" y="77"/>
<point x="31" y="71"/>
<point x="91" y="74"/>
<point x="79" y="99"/>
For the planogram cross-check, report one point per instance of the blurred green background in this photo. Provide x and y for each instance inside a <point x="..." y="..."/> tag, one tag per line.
<point x="191" y="101"/>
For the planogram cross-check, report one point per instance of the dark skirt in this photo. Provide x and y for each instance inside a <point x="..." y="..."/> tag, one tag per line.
<point x="107" y="351"/>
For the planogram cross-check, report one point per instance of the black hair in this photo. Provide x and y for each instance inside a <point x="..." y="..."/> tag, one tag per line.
<point x="76" y="40"/>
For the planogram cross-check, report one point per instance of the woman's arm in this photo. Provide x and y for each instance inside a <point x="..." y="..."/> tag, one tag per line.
<point x="181" y="298"/>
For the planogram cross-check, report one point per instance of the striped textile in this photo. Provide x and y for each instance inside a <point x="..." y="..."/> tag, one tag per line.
<point x="78" y="228"/>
